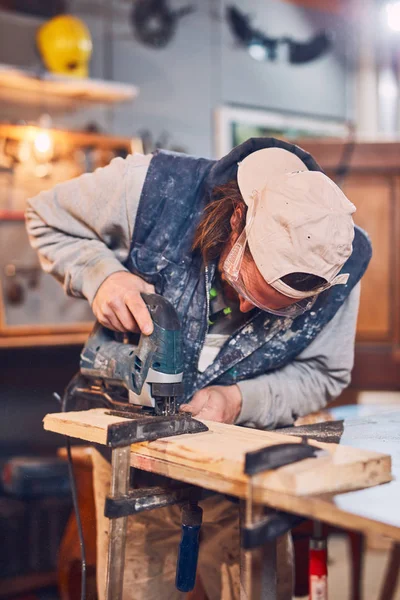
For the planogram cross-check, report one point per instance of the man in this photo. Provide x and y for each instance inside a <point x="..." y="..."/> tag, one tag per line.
<point x="259" y="255"/>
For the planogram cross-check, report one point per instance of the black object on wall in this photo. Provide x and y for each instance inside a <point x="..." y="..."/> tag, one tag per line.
<point x="263" y="47"/>
<point x="154" y="22"/>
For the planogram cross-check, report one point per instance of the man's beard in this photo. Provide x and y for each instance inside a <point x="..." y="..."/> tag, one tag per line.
<point x="230" y="294"/>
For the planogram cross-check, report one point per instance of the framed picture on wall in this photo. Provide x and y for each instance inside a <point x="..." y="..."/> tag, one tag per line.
<point x="234" y="125"/>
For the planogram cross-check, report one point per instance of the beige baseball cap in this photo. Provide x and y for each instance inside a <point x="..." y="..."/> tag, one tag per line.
<point x="298" y="221"/>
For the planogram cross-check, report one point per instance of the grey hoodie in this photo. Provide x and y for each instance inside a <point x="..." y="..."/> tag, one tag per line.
<point x="82" y="231"/>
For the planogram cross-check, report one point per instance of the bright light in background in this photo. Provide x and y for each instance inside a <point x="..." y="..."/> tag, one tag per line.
<point x="387" y="85"/>
<point x="257" y="51"/>
<point x="393" y="15"/>
<point x="43" y="143"/>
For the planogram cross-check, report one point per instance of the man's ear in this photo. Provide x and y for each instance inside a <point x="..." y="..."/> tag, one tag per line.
<point x="236" y="218"/>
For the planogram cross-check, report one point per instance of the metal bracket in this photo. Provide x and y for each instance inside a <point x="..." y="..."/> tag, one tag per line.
<point x="142" y="499"/>
<point x="268" y="528"/>
<point x="255" y="534"/>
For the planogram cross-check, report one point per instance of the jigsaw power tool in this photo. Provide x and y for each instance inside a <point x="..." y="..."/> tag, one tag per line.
<point x="150" y="373"/>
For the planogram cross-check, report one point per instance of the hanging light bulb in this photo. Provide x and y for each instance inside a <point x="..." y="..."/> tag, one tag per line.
<point x="43" y="144"/>
<point x="392" y="10"/>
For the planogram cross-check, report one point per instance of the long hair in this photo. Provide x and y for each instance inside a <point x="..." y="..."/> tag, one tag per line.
<point x="214" y="229"/>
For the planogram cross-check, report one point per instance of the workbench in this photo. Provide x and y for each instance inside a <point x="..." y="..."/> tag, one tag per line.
<point x="368" y="435"/>
<point x="372" y="510"/>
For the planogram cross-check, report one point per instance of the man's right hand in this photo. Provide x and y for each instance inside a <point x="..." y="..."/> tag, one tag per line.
<point x="118" y="304"/>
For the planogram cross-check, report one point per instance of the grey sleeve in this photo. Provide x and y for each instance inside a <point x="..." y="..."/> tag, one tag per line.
<point x="82" y="228"/>
<point x="314" y="378"/>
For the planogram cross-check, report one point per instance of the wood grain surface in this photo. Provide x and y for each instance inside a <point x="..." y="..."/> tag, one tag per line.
<point x="218" y="466"/>
<point x="215" y="459"/>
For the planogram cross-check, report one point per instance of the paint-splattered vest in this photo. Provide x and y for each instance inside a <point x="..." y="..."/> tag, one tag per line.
<point x="176" y="190"/>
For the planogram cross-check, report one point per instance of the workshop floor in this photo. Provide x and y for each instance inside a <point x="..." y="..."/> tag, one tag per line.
<point x="339" y="572"/>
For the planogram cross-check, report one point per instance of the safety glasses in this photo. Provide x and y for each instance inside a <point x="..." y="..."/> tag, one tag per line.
<point x="233" y="267"/>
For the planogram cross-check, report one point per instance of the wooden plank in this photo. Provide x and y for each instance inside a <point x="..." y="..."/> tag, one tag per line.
<point x="215" y="459"/>
<point x="91" y="426"/>
<point x="319" y="507"/>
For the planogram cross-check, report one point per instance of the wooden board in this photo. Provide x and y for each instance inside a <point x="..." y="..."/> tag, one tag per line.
<point x="215" y="459"/>
<point x="91" y="426"/>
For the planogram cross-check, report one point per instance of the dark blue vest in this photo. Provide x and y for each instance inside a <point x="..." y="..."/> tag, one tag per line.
<point x="175" y="192"/>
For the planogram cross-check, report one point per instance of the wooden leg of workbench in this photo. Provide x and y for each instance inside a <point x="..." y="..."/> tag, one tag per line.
<point x="268" y="571"/>
<point x="392" y="575"/>
<point x="258" y="568"/>
<point x="120" y="471"/>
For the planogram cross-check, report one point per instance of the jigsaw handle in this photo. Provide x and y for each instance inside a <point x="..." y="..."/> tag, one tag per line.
<point x="188" y="554"/>
<point x="106" y="359"/>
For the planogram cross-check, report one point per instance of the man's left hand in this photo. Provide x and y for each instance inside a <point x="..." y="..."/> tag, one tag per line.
<point x="220" y="403"/>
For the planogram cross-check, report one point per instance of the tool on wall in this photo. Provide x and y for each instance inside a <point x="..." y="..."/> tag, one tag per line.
<point x="264" y="47"/>
<point x="155" y="23"/>
<point x="142" y="384"/>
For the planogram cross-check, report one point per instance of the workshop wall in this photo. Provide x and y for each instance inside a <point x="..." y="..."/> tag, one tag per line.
<point x="202" y="68"/>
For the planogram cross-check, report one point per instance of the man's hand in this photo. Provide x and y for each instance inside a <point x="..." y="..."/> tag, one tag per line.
<point x="118" y="304"/>
<point x="216" y="403"/>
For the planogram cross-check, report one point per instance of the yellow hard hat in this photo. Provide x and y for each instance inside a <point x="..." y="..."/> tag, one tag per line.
<point x="65" y="45"/>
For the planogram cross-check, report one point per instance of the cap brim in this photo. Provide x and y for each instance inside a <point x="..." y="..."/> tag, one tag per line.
<point x="258" y="167"/>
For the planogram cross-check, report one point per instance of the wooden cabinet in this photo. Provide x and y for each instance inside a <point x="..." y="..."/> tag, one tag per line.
<point x="372" y="196"/>
<point x="373" y="184"/>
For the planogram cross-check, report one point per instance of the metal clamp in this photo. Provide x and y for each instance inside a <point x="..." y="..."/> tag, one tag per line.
<point x="276" y="523"/>
<point x="137" y="501"/>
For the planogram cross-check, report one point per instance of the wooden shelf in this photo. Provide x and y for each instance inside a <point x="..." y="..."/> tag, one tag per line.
<point x="76" y="138"/>
<point x="44" y="88"/>
<point x="55" y="339"/>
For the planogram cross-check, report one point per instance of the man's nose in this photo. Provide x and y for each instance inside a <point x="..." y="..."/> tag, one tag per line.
<point x="244" y="305"/>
